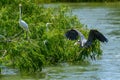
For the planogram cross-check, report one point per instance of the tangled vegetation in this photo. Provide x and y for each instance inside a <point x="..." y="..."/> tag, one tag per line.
<point x="43" y="47"/>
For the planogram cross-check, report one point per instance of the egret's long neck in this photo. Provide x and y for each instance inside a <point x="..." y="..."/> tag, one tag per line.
<point x="47" y="29"/>
<point x="47" y="26"/>
<point x="20" y="12"/>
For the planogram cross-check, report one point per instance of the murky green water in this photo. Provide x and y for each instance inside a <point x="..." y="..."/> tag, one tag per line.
<point x="105" y="18"/>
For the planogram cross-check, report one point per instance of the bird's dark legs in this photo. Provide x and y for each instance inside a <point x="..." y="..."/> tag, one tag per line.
<point x="27" y="35"/>
<point x="22" y="32"/>
<point x="93" y="56"/>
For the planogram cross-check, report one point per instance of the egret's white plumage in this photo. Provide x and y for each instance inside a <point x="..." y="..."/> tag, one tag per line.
<point x="22" y="23"/>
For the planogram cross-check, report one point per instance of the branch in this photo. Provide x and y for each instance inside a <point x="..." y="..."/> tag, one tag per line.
<point x="16" y="35"/>
<point x="4" y="53"/>
<point x="11" y="38"/>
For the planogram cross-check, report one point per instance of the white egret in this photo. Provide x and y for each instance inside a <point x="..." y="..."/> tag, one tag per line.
<point x="73" y="34"/>
<point x="47" y="26"/>
<point x="47" y="29"/>
<point x="22" y="23"/>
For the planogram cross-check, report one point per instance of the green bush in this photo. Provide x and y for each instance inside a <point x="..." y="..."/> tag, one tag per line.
<point x="43" y="47"/>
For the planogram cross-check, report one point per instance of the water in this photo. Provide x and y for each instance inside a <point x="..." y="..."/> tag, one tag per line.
<point x="103" y="17"/>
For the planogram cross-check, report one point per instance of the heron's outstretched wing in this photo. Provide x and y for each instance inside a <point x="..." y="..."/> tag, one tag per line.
<point x="72" y="34"/>
<point x="96" y="35"/>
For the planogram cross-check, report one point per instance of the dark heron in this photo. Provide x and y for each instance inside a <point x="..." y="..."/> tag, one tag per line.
<point x="74" y="34"/>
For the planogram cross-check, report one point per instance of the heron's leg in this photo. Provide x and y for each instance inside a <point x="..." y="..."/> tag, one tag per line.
<point x="93" y="56"/>
<point x="27" y="37"/>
